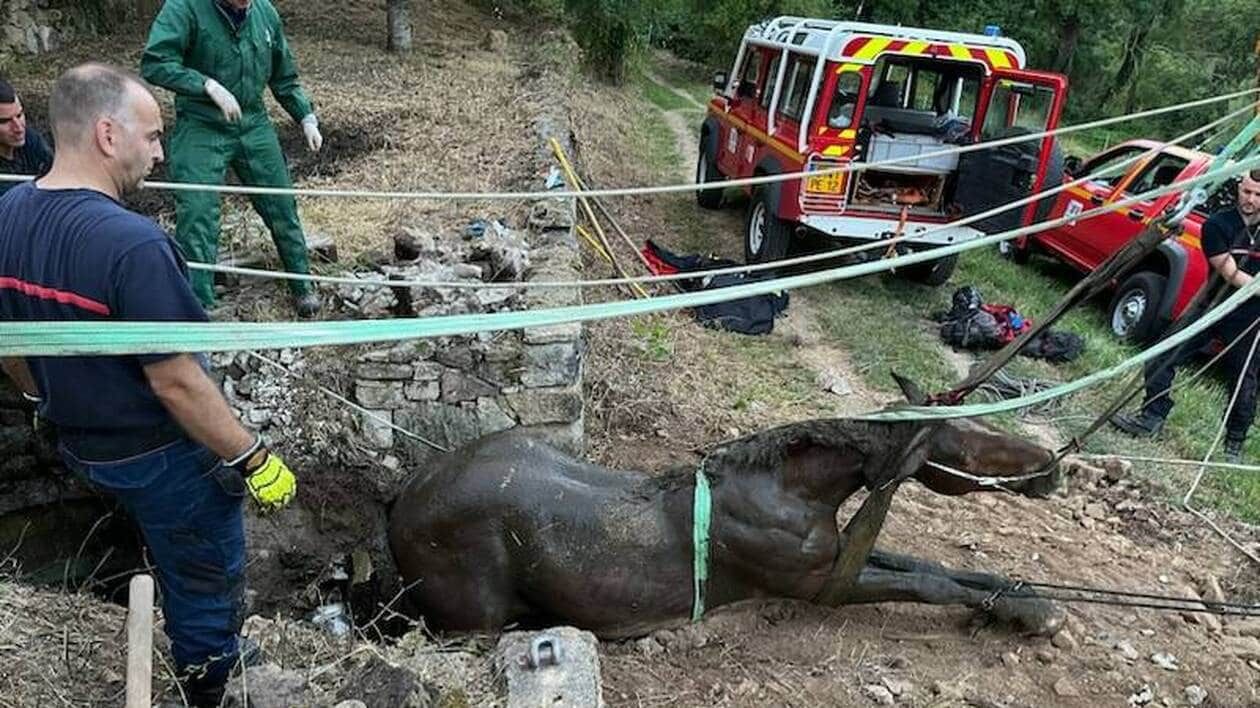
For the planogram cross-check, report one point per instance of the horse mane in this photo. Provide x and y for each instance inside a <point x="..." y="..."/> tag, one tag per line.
<point x="768" y="449"/>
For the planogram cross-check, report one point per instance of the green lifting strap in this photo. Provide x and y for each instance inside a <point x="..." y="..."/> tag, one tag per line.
<point x="701" y="508"/>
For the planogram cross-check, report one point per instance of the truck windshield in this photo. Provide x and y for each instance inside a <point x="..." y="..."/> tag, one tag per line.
<point x="1017" y="105"/>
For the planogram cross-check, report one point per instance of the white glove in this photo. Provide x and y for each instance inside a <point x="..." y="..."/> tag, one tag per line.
<point x="310" y="128"/>
<point x="224" y="100"/>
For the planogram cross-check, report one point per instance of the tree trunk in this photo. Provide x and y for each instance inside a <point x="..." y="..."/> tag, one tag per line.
<point x="398" y="21"/>
<point x="1069" y="36"/>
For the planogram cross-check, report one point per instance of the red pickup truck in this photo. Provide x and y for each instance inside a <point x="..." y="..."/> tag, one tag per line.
<point x="1157" y="291"/>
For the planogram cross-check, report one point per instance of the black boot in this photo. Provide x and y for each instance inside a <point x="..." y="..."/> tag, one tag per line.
<point x="1142" y="425"/>
<point x="1234" y="450"/>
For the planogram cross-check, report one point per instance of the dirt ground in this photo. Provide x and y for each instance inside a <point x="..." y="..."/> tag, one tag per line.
<point x="660" y="390"/>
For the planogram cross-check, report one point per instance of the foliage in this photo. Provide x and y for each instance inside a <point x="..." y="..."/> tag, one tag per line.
<point x="1120" y="57"/>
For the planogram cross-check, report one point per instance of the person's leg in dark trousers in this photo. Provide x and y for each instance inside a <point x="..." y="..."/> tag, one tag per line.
<point x="1162" y="371"/>
<point x="1240" y="366"/>
<point x="189" y="509"/>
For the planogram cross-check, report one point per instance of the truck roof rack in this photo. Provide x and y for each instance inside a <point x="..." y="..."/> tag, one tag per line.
<point x="827" y="38"/>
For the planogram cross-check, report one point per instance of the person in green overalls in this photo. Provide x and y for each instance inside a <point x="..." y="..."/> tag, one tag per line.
<point x="217" y="56"/>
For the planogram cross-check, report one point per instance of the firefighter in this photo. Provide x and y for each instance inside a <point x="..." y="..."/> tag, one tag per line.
<point x="217" y="56"/>
<point x="22" y="149"/>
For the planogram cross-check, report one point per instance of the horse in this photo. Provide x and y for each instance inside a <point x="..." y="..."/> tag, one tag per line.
<point x="509" y="530"/>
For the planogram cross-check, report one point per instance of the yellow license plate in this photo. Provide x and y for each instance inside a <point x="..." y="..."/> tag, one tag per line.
<point x="826" y="184"/>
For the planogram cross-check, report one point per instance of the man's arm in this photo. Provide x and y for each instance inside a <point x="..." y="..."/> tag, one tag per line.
<point x="21" y="375"/>
<point x="195" y="402"/>
<point x="1228" y="269"/>
<point x="162" y="63"/>
<point x="284" y="77"/>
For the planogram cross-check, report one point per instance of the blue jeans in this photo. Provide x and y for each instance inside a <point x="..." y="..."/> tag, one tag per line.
<point x="189" y="508"/>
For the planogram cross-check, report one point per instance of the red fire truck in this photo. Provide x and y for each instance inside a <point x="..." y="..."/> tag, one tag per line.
<point x="809" y="94"/>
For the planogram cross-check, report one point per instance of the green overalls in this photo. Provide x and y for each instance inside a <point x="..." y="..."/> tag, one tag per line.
<point x="190" y="41"/>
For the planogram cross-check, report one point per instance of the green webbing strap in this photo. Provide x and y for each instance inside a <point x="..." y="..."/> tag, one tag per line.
<point x="701" y="507"/>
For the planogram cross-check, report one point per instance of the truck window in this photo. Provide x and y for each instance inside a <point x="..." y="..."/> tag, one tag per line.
<point x="844" y="100"/>
<point x="1107" y="164"/>
<point x="772" y="75"/>
<point x="1159" y="172"/>
<point x="797" y="81"/>
<point x="749" y="73"/>
<point x="1014" y="105"/>
<point x="923" y="92"/>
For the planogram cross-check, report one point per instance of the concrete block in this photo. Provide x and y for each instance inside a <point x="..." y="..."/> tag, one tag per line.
<point x="566" y="674"/>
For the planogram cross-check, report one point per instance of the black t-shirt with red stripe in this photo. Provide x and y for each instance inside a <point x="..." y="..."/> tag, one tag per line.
<point x="76" y="254"/>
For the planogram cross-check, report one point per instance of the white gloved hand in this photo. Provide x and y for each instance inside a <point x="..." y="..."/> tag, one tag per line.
<point x="224" y="100"/>
<point x="310" y="128"/>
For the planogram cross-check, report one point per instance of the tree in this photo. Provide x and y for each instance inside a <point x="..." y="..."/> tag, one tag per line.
<point x="398" y="24"/>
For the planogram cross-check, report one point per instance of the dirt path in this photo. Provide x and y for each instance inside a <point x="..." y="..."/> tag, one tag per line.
<point x="682" y="121"/>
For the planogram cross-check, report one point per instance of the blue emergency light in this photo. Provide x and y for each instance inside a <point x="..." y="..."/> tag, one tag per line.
<point x="992" y="31"/>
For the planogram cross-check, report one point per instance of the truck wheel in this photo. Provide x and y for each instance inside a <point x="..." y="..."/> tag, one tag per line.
<point x="707" y="173"/>
<point x="766" y="236"/>
<point x="1135" y="307"/>
<point x="931" y="273"/>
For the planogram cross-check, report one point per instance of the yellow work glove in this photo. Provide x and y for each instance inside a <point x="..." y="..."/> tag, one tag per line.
<point x="270" y="482"/>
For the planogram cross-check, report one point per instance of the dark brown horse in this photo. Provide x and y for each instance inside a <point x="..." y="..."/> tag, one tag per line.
<point x="507" y="529"/>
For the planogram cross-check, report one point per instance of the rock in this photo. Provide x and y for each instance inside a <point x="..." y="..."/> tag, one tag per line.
<point x="1096" y="510"/>
<point x="380" y="683"/>
<point x="353" y="703"/>
<point x="949" y="690"/>
<point x="1246" y="648"/>
<point x="1211" y="589"/>
<point x="832" y="382"/>
<point x="1064" y="640"/>
<point x="1064" y="687"/>
<point x="551" y="365"/>
<point x="1010" y="658"/>
<point x="554" y="334"/>
<point x="1142" y="697"/>
<point x="506" y="250"/>
<point x="572" y="679"/>
<point x="422" y="391"/>
<point x="376" y="429"/>
<point x="1126" y="650"/>
<point x="496" y="41"/>
<point x="492" y="417"/>
<point x="547" y="405"/>
<point x="273" y="687"/>
<point x="410" y="243"/>
<point x="1165" y="661"/>
<point x="457" y="386"/>
<point x="877" y="693"/>
<point x="1116" y="469"/>
<point x="380" y="394"/>
<point x="899" y="687"/>
<point x="428" y="371"/>
<point x="649" y="647"/>
<point x="384" y="372"/>
<point x="1046" y="656"/>
<point x="1195" y="695"/>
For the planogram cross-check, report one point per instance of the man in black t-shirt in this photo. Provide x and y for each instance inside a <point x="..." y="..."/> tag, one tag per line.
<point x="22" y="150"/>
<point x="1231" y="242"/>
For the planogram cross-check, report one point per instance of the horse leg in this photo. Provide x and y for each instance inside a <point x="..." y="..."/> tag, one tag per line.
<point x="1035" y="615"/>
<point x="987" y="582"/>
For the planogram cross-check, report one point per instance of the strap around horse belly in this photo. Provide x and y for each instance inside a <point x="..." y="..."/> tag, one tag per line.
<point x="701" y="508"/>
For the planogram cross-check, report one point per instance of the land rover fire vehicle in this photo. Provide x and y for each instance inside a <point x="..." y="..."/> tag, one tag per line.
<point x="805" y="94"/>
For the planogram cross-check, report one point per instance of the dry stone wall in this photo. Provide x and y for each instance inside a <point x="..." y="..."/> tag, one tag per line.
<point x="29" y="27"/>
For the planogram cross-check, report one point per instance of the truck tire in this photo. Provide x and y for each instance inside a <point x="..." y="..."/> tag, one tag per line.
<point x="707" y="173"/>
<point x="1134" y="309"/>
<point x="988" y="179"/>
<point x="1020" y="255"/>
<point x="766" y="236"/>
<point x="933" y="273"/>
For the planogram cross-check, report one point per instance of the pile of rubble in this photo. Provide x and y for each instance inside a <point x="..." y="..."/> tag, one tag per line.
<point x="29" y="27"/>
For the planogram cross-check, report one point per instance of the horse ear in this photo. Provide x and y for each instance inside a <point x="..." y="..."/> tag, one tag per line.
<point x="910" y="390"/>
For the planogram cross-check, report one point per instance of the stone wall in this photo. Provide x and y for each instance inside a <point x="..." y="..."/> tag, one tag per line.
<point x="453" y="390"/>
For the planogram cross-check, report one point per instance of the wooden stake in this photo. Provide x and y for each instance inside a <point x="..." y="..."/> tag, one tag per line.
<point x="140" y="642"/>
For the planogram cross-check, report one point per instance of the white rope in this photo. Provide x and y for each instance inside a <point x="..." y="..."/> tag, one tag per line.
<point x="988" y="481"/>
<point x="1102" y="457"/>
<point x="748" y="268"/>
<point x="342" y="399"/>
<point x="666" y="189"/>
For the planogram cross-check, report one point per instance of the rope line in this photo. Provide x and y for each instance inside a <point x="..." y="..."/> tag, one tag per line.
<point x="747" y="268"/>
<point x="667" y="189"/>
<point x="92" y="338"/>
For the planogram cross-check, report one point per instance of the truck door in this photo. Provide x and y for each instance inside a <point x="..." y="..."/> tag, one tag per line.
<point x="1081" y="241"/>
<point x="745" y="108"/>
<point x="1022" y="101"/>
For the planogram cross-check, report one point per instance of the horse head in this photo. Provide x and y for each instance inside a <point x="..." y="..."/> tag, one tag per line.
<point x="987" y="457"/>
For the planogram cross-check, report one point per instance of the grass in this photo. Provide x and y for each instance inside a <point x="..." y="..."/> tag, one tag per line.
<point x="662" y="97"/>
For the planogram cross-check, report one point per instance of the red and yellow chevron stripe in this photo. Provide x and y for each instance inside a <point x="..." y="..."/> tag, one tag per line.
<point x="866" y="49"/>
